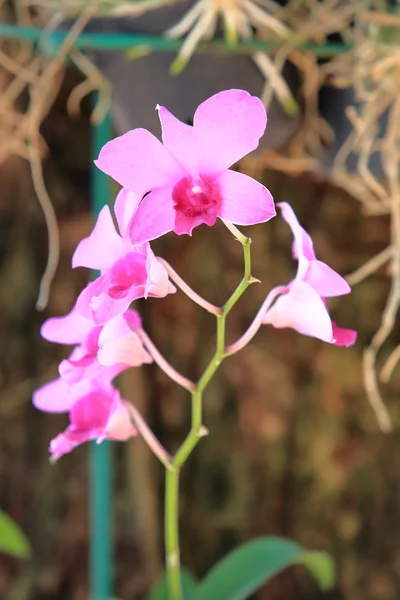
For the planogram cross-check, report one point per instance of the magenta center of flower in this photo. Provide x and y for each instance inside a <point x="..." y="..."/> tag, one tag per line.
<point x="125" y="273"/>
<point x="91" y="412"/>
<point x="196" y="198"/>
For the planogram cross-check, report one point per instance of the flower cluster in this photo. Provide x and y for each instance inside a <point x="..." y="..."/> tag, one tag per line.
<point x="106" y="331"/>
<point x="176" y="185"/>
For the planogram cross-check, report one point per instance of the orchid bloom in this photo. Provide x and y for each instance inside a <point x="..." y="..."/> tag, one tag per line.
<point x="186" y="181"/>
<point x="302" y="306"/>
<point x="112" y="344"/>
<point x="127" y="272"/>
<point x="97" y="414"/>
<point x="103" y="352"/>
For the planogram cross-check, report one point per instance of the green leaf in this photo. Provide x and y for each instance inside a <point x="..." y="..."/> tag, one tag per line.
<point x="160" y="590"/>
<point x="251" y="565"/>
<point x="12" y="541"/>
<point x="321" y="566"/>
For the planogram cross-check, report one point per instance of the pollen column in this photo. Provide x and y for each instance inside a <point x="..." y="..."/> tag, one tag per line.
<point x="101" y="514"/>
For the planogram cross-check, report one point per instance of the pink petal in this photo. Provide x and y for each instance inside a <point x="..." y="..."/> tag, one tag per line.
<point x="119" y="344"/>
<point x="82" y="364"/>
<point x="125" y="206"/>
<point x="133" y="319"/>
<point x="56" y="396"/>
<point x="180" y="140"/>
<point x="139" y="162"/>
<point x="111" y="294"/>
<point x="64" y="443"/>
<point x="244" y="201"/>
<point x="100" y="414"/>
<point x="91" y="412"/>
<point x="157" y="283"/>
<point x="301" y="309"/>
<point x="228" y="126"/>
<point x="185" y="224"/>
<point x="95" y="303"/>
<point x="87" y="368"/>
<point x="154" y="217"/>
<point x="343" y="337"/>
<point x="119" y="426"/>
<point x="103" y="247"/>
<point x="70" y="329"/>
<point x="93" y="289"/>
<point x="325" y="280"/>
<point x="104" y="307"/>
<point x="74" y="371"/>
<point x="302" y="245"/>
<point x="91" y="344"/>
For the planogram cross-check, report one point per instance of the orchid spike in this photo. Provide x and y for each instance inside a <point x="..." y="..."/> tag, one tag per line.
<point x="186" y="180"/>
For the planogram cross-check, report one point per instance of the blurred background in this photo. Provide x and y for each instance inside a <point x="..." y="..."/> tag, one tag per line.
<point x="295" y="447"/>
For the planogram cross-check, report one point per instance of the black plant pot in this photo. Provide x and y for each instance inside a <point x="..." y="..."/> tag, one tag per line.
<point x="333" y="103"/>
<point x="140" y="84"/>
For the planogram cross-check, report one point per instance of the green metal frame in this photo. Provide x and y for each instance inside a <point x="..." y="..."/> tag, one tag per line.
<point x="101" y="521"/>
<point x="124" y="41"/>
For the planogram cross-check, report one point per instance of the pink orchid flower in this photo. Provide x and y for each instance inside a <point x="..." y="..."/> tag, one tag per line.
<point x="111" y="344"/>
<point x="302" y="306"/>
<point x="97" y="414"/>
<point x="127" y="272"/>
<point x="103" y="352"/>
<point x="186" y="180"/>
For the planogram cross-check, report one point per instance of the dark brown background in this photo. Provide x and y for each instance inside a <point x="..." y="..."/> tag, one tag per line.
<point x="293" y="449"/>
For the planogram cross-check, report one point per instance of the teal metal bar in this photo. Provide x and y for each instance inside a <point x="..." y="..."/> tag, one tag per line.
<point x="125" y="41"/>
<point x="101" y="513"/>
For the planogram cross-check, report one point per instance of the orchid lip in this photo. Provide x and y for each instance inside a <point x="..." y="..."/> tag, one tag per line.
<point x="118" y="291"/>
<point x="196" y="197"/>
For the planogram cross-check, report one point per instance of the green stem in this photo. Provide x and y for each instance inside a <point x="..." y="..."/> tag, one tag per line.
<point x="172" y="535"/>
<point x="197" y="430"/>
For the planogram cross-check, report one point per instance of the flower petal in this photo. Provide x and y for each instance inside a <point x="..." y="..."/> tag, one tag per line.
<point x="228" y="126"/>
<point x="119" y="426"/>
<point x="118" y="344"/>
<point x="325" y="280"/>
<point x="103" y="246"/>
<point x="301" y="309"/>
<point x="302" y="245"/>
<point x="92" y="410"/>
<point x="97" y="415"/>
<point x="154" y="217"/>
<point x="180" y="140"/>
<point x="65" y="442"/>
<point x="343" y="337"/>
<point x="125" y="206"/>
<point x="244" y="201"/>
<point x="157" y="283"/>
<point x="72" y="328"/>
<point x="105" y="308"/>
<point x="56" y="396"/>
<point x="89" y="369"/>
<point x="139" y="162"/>
<point x="133" y="319"/>
<point x="95" y="303"/>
